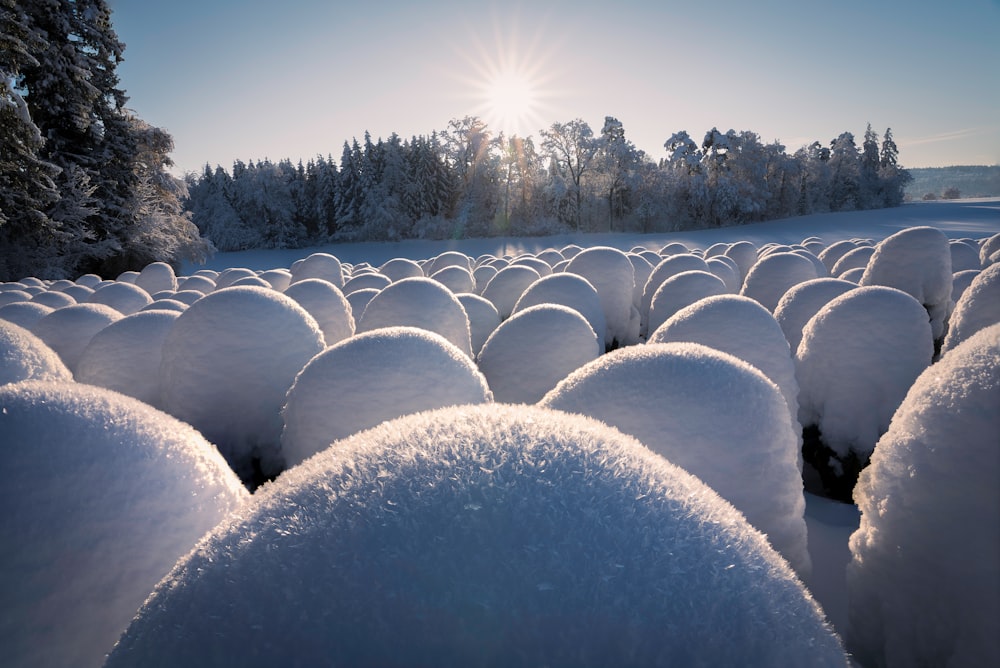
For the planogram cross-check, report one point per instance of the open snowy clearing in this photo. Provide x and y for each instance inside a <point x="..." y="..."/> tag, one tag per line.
<point x="505" y="530"/>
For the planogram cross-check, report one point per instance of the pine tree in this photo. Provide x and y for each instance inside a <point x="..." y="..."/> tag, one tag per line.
<point x="893" y="177"/>
<point x="27" y="189"/>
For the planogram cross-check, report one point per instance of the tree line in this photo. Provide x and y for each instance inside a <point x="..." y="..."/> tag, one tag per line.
<point x="84" y="185"/>
<point x="466" y="181"/>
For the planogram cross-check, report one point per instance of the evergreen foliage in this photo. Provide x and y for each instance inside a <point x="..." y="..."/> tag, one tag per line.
<point x="83" y="181"/>
<point x="466" y="182"/>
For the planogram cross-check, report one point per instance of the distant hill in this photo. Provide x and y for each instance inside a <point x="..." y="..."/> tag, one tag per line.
<point x="971" y="181"/>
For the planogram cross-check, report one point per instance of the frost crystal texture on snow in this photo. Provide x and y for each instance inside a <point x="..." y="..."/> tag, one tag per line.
<point x="924" y="585"/>
<point x="487" y="535"/>
<point x="102" y="494"/>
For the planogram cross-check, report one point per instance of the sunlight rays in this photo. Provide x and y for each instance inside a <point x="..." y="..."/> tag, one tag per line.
<point x="510" y="81"/>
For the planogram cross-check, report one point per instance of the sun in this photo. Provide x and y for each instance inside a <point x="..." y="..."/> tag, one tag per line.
<point x="510" y="100"/>
<point x="508" y="79"/>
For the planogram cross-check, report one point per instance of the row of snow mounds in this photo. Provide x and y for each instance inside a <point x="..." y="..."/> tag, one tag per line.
<point x="923" y="582"/>
<point x="482" y="535"/>
<point x="103" y="494"/>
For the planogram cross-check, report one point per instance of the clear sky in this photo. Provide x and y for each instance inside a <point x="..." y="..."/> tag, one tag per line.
<point x="254" y="79"/>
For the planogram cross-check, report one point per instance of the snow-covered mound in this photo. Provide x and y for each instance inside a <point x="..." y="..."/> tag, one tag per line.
<point x="858" y="357"/>
<point x="917" y="261"/>
<point x="319" y="265"/>
<point x="803" y="301"/>
<point x="744" y="254"/>
<point x="455" y="278"/>
<point x="123" y="297"/>
<point x="227" y="364"/>
<point x="978" y="307"/>
<point x="490" y="535"/>
<point x="773" y="274"/>
<point x="610" y="272"/>
<point x="534" y="349"/>
<point x="570" y="290"/>
<point x="923" y="585"/>
<point x="743" y="328"/>
<point x="504" y="289"/>
<point x="681" y="290"/>
<point x="364" y="281"/>
<point x="419" y="302"/>
<point x="24" y="356"/>
<point x="68" y="330"/>
<point x="53" y="298"/>
<point x="156" y="277"/>
<point x="668" y="267"/>
<point x="101" y="495"/>
<point x="399" y="268"/>
<point x="125" y="356"/>
<point x="709" y="413"/>
<point x="25" y="314"/>
<point x="327" y="305"/>
<point x="374" y="377"/>
<point x="483" y="318"/>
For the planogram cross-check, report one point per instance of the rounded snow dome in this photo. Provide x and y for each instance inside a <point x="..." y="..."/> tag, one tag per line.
<point x="125" y="356"/>
<point x="25" y="314"/>
<point x="610" y="272"/>
<point x="399" y="268"/>
<point x="478" y="535"/>
<point x="978" y="307"/>
<point x="743" y="328"/>
<point x="568" y="290"/>
<point x="24" y="356"/>
<point x="713" y="415"/>
<point x="364" y="281"/>
<point x="68" y="330"/>
<point x="504" y="289"/>
<point x="534" y="349"/>
<point x="227" y="364"/>
<point x="681" y="290"/>
<point x="455" y="278"/>
<point x="772" y="275"/>
<point x="858" y="357"/>
<point x="419" y="302"/>
<point x="53" y="299"/>
<point x="483" y="318"/>
<point x="123" y="297"/>
<point x="923" y="581"/>
<point x="319" y="265"/>
<point x="371" y="378"/>
<point x="803" y="301"/>
<point x="916" y="260"/>
<point x="156" y="277"/>
<point x="327" y="304"/>
<point x="102" y="494"/>
<point x="671" y="266"/>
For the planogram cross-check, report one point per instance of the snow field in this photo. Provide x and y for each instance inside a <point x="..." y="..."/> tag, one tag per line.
<point x="231" y="372"/>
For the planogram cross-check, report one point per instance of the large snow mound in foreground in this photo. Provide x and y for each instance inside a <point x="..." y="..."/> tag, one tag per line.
<point x="924" y="585"/>
<point x="227" y="364"/>
<point x="373" y="377"/>
<point x="24" y="356"/>
<point x="709" y="413"/>
<point x="101" y="495"/>
<point x="488" y="535"/>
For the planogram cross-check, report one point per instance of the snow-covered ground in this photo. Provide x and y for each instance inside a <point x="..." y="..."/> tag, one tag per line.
<point x="279" y="355"/>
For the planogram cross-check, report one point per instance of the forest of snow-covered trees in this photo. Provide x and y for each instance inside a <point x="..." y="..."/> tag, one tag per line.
<point x="84" y="186"/>
<point x="467" y="182"/>
<point x="83" y="180"/>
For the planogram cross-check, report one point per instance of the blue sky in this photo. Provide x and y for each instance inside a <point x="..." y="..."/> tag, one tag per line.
<point x="253" y="79"/>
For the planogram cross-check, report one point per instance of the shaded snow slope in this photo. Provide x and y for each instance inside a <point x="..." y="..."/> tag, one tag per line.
<point x="101" y="495"/>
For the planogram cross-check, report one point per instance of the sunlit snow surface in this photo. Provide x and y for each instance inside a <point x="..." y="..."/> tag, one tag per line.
<point x="494" y="535"/>
<point x="262" y="341"/>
